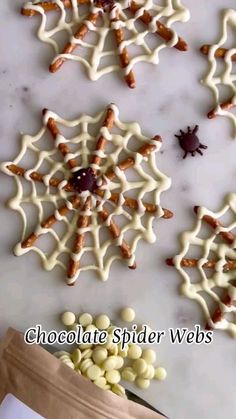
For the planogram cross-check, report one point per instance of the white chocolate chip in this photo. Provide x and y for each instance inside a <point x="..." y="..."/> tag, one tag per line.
<point x="139" y="366"/>
<point x="99" y="355"/>
<point x="122" y="352"/>
<point x="149" y="356"/>
<point x="65" y="358"/>
<point x="113" y="376"/>
<point x="110" y="330"/>
<point x="94" y="372"/>
<point x="142" y="383"/>
<point x="118" y="389"/>
<point x="127" y="314"/>
<point x="101" y="382"/>
<point x="128" y="374"/>
<point x="134" y="351"/>
<point x="87" y="353"/>
<point x="85" y="364"/>
<point x="69" y="363"/>
<point x="109" y="343"/>
<point x="84" y="346"/>
<point x="68" y="318"/>
<point x="149" y="373"/>
<point x="85" y="319"/>
<point x="59" y="354"/>
<point x="110" y="363"/>
<point x="76" y="356"/>
<point x="160" y="373"/>
<point x="112" y="347"/>
<point x="119" y="362"/>
<point x="91" y="328"/>
<point x="102" y="322"/>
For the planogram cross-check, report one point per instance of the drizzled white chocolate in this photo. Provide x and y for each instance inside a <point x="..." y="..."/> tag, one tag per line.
<point x="209" y="281"/>
<point x="144" y="180"/>
<point x="171" y="11"/>
<point x="226" y="77"/>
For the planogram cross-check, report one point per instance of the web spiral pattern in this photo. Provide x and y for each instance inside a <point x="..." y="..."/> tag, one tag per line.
<point x="107" y="37"/>
<point x="214" y="284"/>
<point x="98" y="226"/>
<point x="224" y="76"/>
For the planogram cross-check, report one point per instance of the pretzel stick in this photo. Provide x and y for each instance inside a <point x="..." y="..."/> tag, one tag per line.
<point x="115" y="232"/>
<point x="70" y="47"/>
<point x="96" y="159"/>
<point x="162" y="30"/>
<point x="210" y="264"/>
<point x="83" y="222"/>
<point x="214" y="223"/>
<point x="124" y="55"/>
<point x="48" y="7"/>
<point x="101" y="142"/>
<point x="145" y="150"/>
<point x="130" y="161"/>
<point x="48" y="223"/>
<point x="219" y="53"/>
<point x="191" y="263"/>
<point x="225" y="106"/>
<point x="126" y="164"/>
<point x="38" y="177"/>
<point x="133" y="203"/>
<point x="218" y="315"/>
<point x="63" y="148"/>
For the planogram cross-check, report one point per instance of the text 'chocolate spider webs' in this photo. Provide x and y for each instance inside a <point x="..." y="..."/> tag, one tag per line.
<point x="221" y="69"/>
<point x="116" y="32"/>
<point x="101" y="225"/>
<point x="214" y="284"/>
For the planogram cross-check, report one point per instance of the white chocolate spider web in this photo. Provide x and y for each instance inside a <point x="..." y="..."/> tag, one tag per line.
<point x="226" y="77"/>
<point x="98" y="57"/>
<point x="146" y="184"/>
<point x="213" y="288"/>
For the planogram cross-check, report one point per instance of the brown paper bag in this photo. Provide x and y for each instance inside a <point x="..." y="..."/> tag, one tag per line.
<point x="54" y="391"/>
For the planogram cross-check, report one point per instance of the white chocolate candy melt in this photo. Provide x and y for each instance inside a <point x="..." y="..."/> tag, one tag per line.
<point x="128" y="314"/>
<point x="214" y="80"/>
<point x="208" y="282"/>
<point x="106" y="365"/>
<point x="148" y="181"/>
<point x="171" y="11"/>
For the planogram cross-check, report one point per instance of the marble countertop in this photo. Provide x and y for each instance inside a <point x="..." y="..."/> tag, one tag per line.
<point x="201" y="379"/>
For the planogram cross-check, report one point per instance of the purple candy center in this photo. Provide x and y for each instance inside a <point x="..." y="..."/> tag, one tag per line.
<point x="84" y="180"/>
<point x="106" y="4"/>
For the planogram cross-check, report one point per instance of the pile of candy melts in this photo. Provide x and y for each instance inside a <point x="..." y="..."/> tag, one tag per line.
<point x="106" y="365"/>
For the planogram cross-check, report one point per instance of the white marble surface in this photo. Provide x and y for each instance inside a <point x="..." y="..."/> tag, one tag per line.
<point x="201" y="379"/>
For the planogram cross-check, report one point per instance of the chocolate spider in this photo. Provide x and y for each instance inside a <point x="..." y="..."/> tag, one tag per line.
<point x="189" y="142"/>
